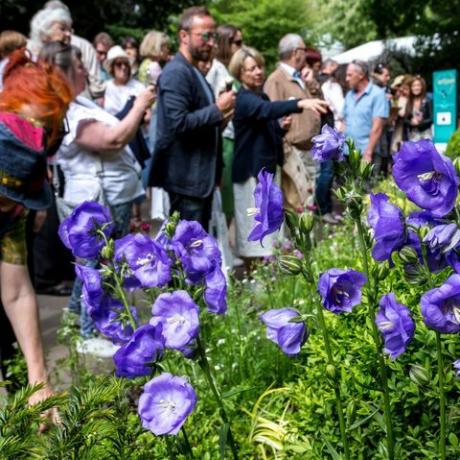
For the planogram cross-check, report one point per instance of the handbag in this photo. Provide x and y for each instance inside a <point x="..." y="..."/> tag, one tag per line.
<point x="64" y="207"/>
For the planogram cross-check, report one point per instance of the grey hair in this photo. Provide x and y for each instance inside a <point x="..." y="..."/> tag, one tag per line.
<point x="43" y="20"/>
<point x="288" y="44"/>
<point x="361" y="66"/>
<point x="328" y="62"/>
<point x="55" y="4"/>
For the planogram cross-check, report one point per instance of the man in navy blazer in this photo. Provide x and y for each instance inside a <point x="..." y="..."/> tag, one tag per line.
<point x="187" y="158"/>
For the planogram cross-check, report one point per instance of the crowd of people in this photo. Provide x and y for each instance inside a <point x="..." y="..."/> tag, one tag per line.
<point x="122" y="122"/>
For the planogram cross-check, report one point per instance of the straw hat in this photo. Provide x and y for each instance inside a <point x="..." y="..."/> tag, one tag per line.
<point x="115" y="52"/>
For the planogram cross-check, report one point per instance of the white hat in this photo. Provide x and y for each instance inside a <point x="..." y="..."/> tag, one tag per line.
<point x="114" y="53"/>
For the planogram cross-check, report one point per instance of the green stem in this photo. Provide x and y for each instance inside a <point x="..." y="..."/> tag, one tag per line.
<point x="121" y="292"/>
<point x="119" y="287"/>
<point x="442" y="394"/>
<point x="207" y="372"/>
<point x="372" y="291"/>
<point x="188" y="447"/>
<point x="442" y="399"/>
<point x="338" y="401"/>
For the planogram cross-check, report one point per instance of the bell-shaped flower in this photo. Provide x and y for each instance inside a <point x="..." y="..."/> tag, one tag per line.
<point x="284" y="330"/>
<point x="396" y="325"/>
<point x="165" y="404"/>
<point x="268" y="211"/>
<point x="340" y="290"/>
<point x="427" y="178"/>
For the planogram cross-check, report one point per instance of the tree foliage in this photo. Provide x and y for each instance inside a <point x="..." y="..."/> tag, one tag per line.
<point x="264" y="22"/>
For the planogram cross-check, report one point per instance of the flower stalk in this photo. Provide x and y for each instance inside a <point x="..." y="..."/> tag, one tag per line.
<point x="442" y="394"/>
<point x="331" y="362"/>
<point x="377" y="341"/>
<point x="204" y="364"/>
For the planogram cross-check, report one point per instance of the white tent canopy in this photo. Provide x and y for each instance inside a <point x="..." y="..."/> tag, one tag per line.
<point x="372" y="50"/>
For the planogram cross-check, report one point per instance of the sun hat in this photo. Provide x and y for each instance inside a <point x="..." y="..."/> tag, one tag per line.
<point x="23" y="165"/>
<point x="115" y="52"/>
<point x="398" y="81"/>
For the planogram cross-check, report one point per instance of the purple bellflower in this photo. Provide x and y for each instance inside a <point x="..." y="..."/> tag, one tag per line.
<point x="443" y="237"/>
<point x="79" y="233"/>
<point x="144" y="348"/>
<point x="396" y="325"/>
<point x="268" y="212"/>
<point x="166" y="403"/>
<point x="92" y="290"/>
<point x="387" y="222"/>
<point x="328" y="145"/>
<point x="107" y="320"/>
<point x="426" y="177"/>
<point x="147" y="260"/>
<point x="215" y="294"/>
<point x="287" y="334"/>
<point x="441" y="306"/>
<point x="179" y="317"/>
<point x="340" y="290"/>
<point x="197" y="251"/>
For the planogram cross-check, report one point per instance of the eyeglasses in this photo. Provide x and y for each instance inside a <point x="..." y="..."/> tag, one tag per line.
<point x="302" y="49"/>
<point x="101" y="52"/>
<point x="207" y="36"/>
<point x="121" y="64"/>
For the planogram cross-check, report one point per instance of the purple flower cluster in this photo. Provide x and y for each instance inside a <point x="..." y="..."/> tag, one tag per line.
<point x="269" y="214"/>
<point x="340" y="290"/>
<point x="328" y="145"/>
<point x="284" y="329"/>
<point x="396" y="325"/>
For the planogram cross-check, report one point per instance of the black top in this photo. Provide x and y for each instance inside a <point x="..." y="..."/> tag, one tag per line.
<point x="258" y="135"/>
<point x="187" y="157"/>
<point x="427" y="118"/>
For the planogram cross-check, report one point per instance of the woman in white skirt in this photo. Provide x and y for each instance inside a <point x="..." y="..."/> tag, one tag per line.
<point x="259" y="129"/>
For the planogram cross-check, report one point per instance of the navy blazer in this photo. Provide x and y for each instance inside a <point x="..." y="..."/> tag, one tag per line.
<point x="187" y="157"/>
<point x="258" y="135"/>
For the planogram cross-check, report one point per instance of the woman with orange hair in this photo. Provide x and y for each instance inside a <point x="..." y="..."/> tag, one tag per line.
<point x="33" y="104"/>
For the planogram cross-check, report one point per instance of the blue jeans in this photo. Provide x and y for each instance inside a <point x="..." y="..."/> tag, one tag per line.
<point x="121" y="214"/>
<point x="324" y="177"/>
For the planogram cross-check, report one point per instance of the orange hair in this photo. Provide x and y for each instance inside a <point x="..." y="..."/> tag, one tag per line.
<point x="36" y="84"/>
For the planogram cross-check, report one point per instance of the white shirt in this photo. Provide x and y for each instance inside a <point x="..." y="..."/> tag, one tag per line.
<point x="116" y="96"/>
<point x="118" y="172"/>
<point x="333" y="94"/>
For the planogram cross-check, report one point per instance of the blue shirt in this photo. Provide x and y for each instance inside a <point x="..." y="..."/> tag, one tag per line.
<point x="359" y="113"/>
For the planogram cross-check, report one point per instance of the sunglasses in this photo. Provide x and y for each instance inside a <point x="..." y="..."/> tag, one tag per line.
<point x="238" y="42"/>
<point x="206" y="36"/>
<point x="121" y="64"/>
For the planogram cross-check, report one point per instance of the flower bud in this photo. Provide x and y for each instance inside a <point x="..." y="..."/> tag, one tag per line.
<point x="170" y="227"/>
<point x="330" y="371"/>
<point x="419" y="375"/>
<point x="306" y="222"/>
<point x="408" y="255"/>
<point x="108" y="250"/>
<point x="290" y="264"/>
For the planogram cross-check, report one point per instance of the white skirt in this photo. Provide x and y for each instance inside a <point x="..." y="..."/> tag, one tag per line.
<point x="243" y="194"/>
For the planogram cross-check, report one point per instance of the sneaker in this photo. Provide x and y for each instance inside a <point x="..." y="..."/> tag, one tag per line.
<point x="97" y="346"/>
<point x="237" y="262"/>
<point x="328" y="218"/>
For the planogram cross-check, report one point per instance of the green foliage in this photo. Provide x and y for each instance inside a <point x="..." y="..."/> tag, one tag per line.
<point x="264" y="22"/>
<point x="453" y="146"/>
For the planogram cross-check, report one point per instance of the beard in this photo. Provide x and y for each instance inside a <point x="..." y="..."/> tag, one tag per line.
<point x="200" y="54"/>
